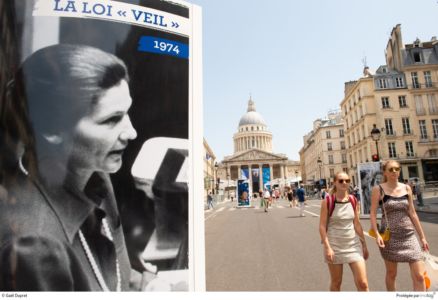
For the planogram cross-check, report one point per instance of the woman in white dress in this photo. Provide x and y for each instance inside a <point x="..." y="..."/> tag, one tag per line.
<point x="342" y="235"/>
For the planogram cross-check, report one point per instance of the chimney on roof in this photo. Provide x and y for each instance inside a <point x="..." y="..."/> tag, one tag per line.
<point x="367" y="72"/>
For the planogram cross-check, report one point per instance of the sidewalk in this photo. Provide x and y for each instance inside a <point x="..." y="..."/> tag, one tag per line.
<point x="430" y="200"/>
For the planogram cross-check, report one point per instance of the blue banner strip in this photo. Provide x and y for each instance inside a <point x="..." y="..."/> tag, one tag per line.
<point x="162" y="46"/>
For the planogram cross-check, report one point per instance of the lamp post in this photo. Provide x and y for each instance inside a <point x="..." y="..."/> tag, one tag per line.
<point x="319" y="162"/>
<point x="216" y="166"/>
<point x="375" y="135"/>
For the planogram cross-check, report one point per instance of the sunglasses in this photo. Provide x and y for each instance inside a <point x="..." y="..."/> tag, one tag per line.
<point x="344" y="180"/>
<point x="394" y="169"/>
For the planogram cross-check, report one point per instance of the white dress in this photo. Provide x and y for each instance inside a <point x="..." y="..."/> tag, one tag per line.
<point x="341" y="235"/>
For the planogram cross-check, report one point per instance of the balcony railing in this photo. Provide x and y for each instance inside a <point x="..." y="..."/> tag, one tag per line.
<point x="428" y="140"/>
<point x="421" y="112"/>
<point x="390" y="133"/>
<point x="426" y="85"/>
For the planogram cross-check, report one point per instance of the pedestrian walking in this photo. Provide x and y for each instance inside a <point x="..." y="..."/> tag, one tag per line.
<point x="418" y="192"/>
<point x="323" y="193"/>
<point x="209" y="201"/>
<point x="290" y="197"/>
<point x="266" y="199"/>
<point x="301" y="195"/>
<point x="294" y="195"/>
<point x="400" y="217"/>
<point x="342" y="235"/>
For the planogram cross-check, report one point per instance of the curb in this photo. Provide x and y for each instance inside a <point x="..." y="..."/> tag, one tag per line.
<point x="426" y="211"/>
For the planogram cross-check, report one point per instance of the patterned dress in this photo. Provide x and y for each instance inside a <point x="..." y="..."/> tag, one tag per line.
<point x="403" y="245"/>
<point x="341" y="235"/>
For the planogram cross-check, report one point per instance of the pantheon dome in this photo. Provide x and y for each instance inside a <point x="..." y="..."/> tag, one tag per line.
<point x="252" y="117"/>
<point x="252" y="132"/>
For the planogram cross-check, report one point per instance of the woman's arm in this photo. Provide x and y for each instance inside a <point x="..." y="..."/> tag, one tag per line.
<point x="359" y="232"/>
<point x="415" y="220"/>
<point x="375" y="198"/>
<point x="328" y="252"/>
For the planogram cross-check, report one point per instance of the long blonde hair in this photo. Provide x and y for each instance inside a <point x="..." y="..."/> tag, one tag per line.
<point x="385" y="165"/>
<point x="333" y="190"/>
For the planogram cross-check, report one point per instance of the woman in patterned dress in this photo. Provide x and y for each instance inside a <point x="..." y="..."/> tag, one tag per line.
<point x="342" y="235"/>
<point x="403" y="245"/>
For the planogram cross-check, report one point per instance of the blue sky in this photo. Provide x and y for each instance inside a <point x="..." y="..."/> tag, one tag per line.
<point x="293" y="57"/>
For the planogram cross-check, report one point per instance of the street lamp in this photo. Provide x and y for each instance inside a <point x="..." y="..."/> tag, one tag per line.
<point x="375" y="135"/>
<point x="216" y="166"/>
<point x="319" y="162"/>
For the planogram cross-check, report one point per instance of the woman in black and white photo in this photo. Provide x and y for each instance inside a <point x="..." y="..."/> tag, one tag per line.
<point x="64" y="127"/>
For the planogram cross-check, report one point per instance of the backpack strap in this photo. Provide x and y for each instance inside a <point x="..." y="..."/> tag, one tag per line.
<point x="353" y="202"/>
<point x="330" y="199"/>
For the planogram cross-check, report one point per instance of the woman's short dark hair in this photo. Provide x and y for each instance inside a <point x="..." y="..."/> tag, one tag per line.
<point x="53" y="89"/>
<point x="63" y="81"/>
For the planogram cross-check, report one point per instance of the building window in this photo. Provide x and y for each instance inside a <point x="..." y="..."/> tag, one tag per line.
<point x="402" y="101"/>
<point x="332" y="172"/>
<point x="385" y="102"/>
<point x="431" y="101"/>
<point x="415" y="83"/>
<point x="344" y="158"/>
<point x="399" y="82"/>
<point x="409" y="149"/>
<point x="329" y="147"/>
<point x="391" y="150"/>
<point x="427" y="79"/>
<point x="435" y="128"/>
<point x="417" y="57"/>
<point x="341" y="132"/>
<point x="406" y="126"/>
<point x="423" y="129"/>
<point x="382" y="83"/>
<point x="327" y="134"/>
<point x="330" y="159"/>
<point x="342" y="145"/>
<point x="433" y="152"/>
<point x="388" y="127"/>
<point x="419" y="107"/>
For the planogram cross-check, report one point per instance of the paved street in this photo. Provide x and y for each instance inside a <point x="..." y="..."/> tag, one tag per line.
<point x="250" y="250"/>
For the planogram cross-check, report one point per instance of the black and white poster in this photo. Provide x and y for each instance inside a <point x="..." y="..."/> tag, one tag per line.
<point x="99" y="105"/>
<point x="369" y="175"/>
